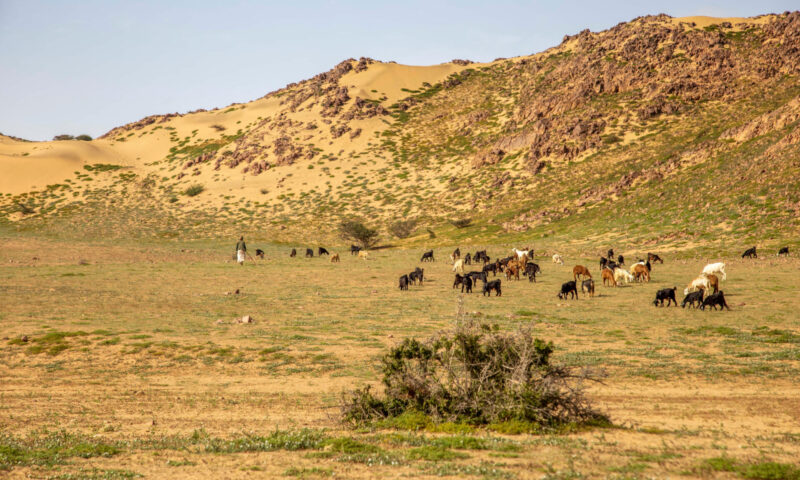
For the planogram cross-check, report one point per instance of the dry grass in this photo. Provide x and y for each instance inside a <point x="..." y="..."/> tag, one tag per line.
<point x="127" y="349"/>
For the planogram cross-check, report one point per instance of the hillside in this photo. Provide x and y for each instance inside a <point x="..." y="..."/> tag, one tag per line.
<point x="660" y="131"/>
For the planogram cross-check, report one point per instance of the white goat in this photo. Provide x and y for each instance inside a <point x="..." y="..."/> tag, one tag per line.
<point x="458" y="266"/>
<point x="620" y="274"/>
<point x="713" y="268"/>
<point x="520" y="253"/>
<point x="557" y="259"/>
<point x="699" y="282"/>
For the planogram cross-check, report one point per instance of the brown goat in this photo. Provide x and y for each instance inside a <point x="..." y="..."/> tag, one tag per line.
<point x="608" y="275"/>
<point x="512" y="271"/>
<point x="335" y="258"/>
<point x="580" y="270"/>
<point x="713" y="282"/>
<point x="641" y="273"/>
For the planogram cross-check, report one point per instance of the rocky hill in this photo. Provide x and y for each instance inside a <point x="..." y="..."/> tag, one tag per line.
<point x="659" y="131"/>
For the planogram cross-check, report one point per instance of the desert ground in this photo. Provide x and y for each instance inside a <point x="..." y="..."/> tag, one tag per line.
<point x="125" y="360"/>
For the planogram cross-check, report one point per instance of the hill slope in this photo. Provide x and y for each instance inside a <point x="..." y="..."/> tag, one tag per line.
<point x="676" y="132"/>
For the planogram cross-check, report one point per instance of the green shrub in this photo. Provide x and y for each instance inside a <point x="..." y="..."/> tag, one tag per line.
<point x="356" y="231"/>
<point x="476" y="375"/>
<point x="84" y="137"/>
<point x="193" y="190"/>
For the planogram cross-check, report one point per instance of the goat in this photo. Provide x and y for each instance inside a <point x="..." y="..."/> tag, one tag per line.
<point x="294" y="253"/>
<point x="321" y="251"/>
<point x="580" y="271"/>
<point x="478" y="275"/>
<point x="404" y="282"/>
<point x="512" y="271"/>
<point x="557" y="259"/>
<point x="467" y="259"/>
<point x="699" y="282"/>
<point x="750" y="253"/>
<point x="714" y="300"/>
<point x="667" y="294"/>
<point x="713" y="283"/>
<point x="335" y="258"/>
<point x="427" y="256"/>
<point x="568" y="288"/>
<point x="588" y="285"/>
<point x="608" y="276"/>
<point x="621" y="260"/>
<point x="694" y="299"/>
<point x="260" y="253"/>
<point x="457" y="254"/>
<point x="363" y="254"/>
<point x="458" y="280"/>
<point x="654" y="258"/>
<point x="640" y="272"/>
<point x="783" y="251"/>
<point x="610" y="253"/>
<point x="531" y="269"/>
<point x="620" y="275"/>
<point x="417" y="275"/>
<point x="466" y="284"/>
<point x="493" y="285"/>
<point x="715" y="268"/>
<point x="458" y="266"/>
<point x="528" y="252"/>
<point x="309" y="253"/>
<point x="603" y="262"/>
<point x="492" y="267"/>
<point x="354" y="249"/>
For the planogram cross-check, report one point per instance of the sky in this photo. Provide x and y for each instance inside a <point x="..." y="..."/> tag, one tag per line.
<point x="84" y="67"/>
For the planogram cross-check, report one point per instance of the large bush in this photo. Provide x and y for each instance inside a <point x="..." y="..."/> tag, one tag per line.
<point x="356" y="231"/>
<point x="478" y="375"/>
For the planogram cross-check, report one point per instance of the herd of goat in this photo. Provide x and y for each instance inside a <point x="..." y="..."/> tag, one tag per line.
<point x="700" y="293"/>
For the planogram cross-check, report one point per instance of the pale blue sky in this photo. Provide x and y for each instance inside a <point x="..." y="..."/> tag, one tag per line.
<point x="87" y="66"/>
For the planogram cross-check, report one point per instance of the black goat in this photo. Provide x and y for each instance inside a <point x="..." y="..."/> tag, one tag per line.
<point x="569" y="288"/>
<point x="654" y="258"/>
<point x="493" y="285"/>
<point x="492" y="267"/>
<point x="294" y="253"/>
<point x="475" y="276"/>
<point x="714" y="300"/>
<point x="459" y="280"/>
<point x="667" y="294"/>
<point x="750" y="253"/>
<point x="467" y="259"/>
<point x="417" y="275"/>
<point x="404" y="282"/>
<point x="783" y="251"/>
<point x="466" y="284"/>
<point x="603" y="263"/>
<point x="694" y="299"/>
<point x="321" y="251"/>
<point x="427" y="256"/>
<point x="531" y="269"/>
<point x="354" y="250"/>
<point x="260" y="253"/>
<point x="621" y="260"/>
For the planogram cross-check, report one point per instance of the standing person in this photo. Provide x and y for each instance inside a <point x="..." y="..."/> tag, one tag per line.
<point x="241" y="251"/>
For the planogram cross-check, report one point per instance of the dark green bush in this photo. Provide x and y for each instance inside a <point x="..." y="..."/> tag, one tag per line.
<point x="195" y="189"/>
<point x="356" y="231"/>
<point x="84" y="137"/>
<point x="477" y="375"/>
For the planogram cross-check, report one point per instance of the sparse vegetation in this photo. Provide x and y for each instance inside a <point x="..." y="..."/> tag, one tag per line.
<point x="403" y="228"/>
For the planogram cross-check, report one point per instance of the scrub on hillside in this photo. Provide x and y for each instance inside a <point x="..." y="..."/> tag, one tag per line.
<point x="241" y="250"/>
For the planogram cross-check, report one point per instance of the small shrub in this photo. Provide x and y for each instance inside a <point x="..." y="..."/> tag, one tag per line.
<point x="461" y="223"/>
<point x="84" y="137"/>
<point x="403" y="228"/>
<point x="193" y="190"/>
<point x="476" y="375"/>
<point x="63" y="137"/>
